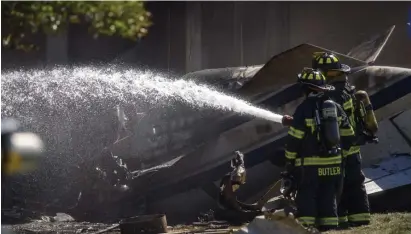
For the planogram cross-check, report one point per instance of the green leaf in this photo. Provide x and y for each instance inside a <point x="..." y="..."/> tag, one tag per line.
<point x="127" y="19"/>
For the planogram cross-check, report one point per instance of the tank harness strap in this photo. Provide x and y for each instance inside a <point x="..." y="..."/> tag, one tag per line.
<point x="318" y="131"/>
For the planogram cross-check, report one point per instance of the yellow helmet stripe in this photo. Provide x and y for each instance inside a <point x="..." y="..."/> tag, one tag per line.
<point x="328" y="61"/>
<point x="304" y="75"/>
<point x="321" y="61"/>
<point x="311" y="76"/>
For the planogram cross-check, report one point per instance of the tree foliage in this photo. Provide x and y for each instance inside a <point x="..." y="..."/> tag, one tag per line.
<point x="128" y="19"/>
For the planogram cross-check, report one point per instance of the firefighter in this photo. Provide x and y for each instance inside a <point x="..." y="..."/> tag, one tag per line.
<point x="353" y="209"/>
<point x="231" y="209"/>
<point x="318" y="131"/>
<point x="20" y="150"/>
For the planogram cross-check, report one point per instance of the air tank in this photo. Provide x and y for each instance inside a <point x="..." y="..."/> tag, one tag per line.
<point x="367" y="113"/>
<point x="330" y="124"/>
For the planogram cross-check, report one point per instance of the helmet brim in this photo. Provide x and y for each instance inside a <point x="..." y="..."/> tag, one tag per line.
<point x="323" y="88"/>
<point x="344" y="68"/>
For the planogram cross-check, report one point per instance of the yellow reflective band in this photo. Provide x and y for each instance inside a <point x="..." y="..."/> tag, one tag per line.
<point x="352" y="121"/>
<point x="309" y="122"/>
<point x="347" y="132"/>
<point x="13" y="164"/>
<point x="359" y="217"/>
<point x="318" y="161"/>
<point x="328" y="61"/>
<point x="321" y="61"/>
<point x="351" y="151"/>
<point x="317" y="77"/>
<point x="334" y="58"/>
<point x="348" y="105"/>
<point x="296" y="133"/>
<point x="304" y="75"/>
<point x="290" y="155"/>
<point x="310" y="77"/>
<point x="328" y="221"/>
<point x="306" y="220"/>
<point x="342" y="219"/>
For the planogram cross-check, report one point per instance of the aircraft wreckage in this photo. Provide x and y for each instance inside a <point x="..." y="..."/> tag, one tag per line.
<point x="173" y="162"/>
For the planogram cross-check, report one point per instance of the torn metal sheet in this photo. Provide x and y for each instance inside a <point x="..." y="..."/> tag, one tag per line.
<point x="389" y="174"/>
<point x="168" y="164"/>
<point x="369" y="50"/>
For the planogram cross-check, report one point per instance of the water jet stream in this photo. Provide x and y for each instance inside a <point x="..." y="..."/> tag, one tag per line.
<point x="57" y="87"/>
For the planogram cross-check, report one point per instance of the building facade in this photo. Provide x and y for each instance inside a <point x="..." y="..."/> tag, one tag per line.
<point x="190" y="36"/>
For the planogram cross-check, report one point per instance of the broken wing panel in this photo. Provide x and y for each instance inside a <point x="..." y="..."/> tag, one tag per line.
<point x="369" y="50"/>
<point x="392" y="173"/>
<point x="283" y="68"/>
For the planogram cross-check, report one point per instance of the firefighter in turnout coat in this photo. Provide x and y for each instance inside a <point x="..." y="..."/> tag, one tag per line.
<point x="353" y="209"/>
<point x="318" y="130"/>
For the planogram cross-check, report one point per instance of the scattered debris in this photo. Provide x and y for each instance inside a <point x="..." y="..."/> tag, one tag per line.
<point x="206" y="217"/>
<point x="58" y="227"/>
<point x="62" y="217"/>
<point x="276" y="222"/>
<point x="145" y="223"/>
<point x="108" y="229"/>
<point x="47" y="218"/>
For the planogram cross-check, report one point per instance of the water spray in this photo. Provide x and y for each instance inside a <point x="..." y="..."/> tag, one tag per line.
<point x="58" y="87"/>
<point x="70" y="109"/>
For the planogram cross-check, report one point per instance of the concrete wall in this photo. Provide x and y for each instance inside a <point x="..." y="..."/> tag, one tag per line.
<point x="251" y="32"/>
<point x="340" y="25"/>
